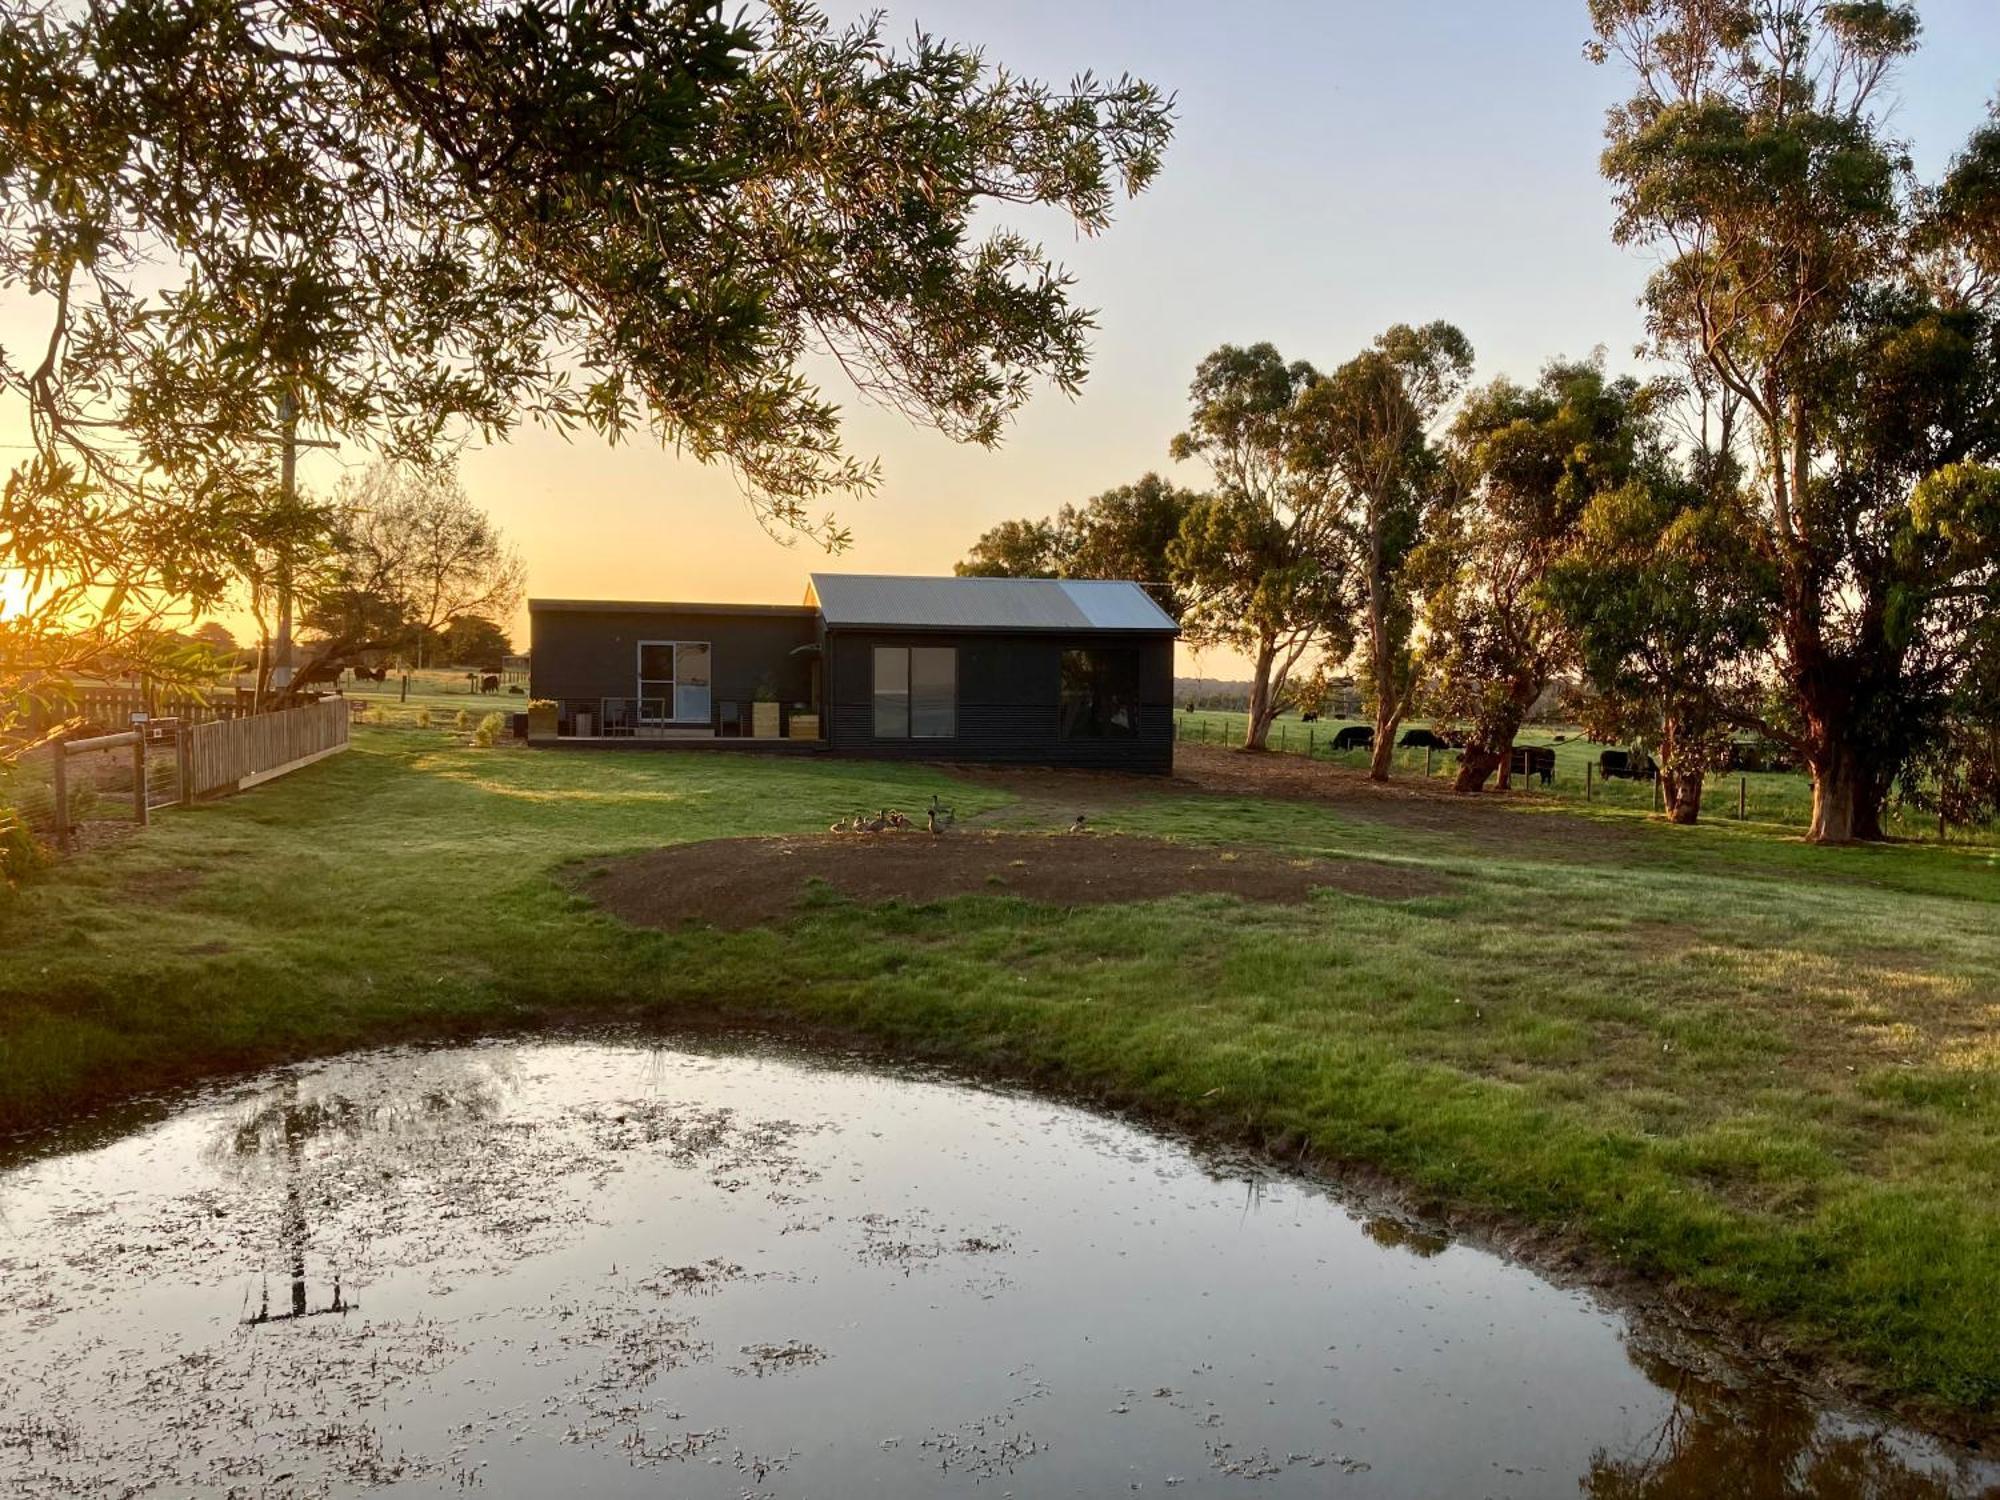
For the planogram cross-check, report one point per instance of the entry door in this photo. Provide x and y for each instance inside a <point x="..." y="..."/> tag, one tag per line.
<point x="674" y="682"/>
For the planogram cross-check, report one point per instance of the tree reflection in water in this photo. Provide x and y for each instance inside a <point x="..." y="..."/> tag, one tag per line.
<point x="433" y="1095"/>
<point x="1762" y="1445"/>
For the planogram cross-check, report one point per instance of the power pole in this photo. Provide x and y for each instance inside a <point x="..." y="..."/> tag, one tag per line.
<point x="288" y="425"/>
<point x="282" y="665"/>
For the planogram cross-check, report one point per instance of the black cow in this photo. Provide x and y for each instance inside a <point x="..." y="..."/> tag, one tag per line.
<point x="1424" y="739"/>
<point x="1309" y="718"/>
<point x="1626" y="765"/>
<point x="490" y="683"/>
<point x="1355" y="737"/>
<point x="1533" y="762"/>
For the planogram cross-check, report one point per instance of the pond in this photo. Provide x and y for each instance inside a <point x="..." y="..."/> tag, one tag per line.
<point x="706" y="1267"/>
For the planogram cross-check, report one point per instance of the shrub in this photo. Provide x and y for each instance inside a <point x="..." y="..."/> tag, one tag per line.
<point x="488" y="731"/>
<point x="19" y="852"/>
<point x="462" y="719"/>
<point x="423" y="718"/>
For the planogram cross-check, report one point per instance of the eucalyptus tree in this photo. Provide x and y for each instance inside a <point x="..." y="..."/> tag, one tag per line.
<point x="1371" y="422"/>
<point x="1850" y="308"/>
<point x="422" y="222"/>
<point x="1667" y="604"/>
<point x="1530" y="460"/>
<point x="1261" y="561"/>
<point x="1125" y="532"/>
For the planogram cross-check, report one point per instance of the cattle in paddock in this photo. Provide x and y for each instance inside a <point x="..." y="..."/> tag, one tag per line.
<point x="490" y="683"/>
<point x="1626" y="765"/>
<point x="1758" y="755"/>
<point x="1309" y="718"/>
<point x="1355" y="737"/>
<point x="1533" y="762"/>
<point x="1424" y="739"/>
<point x="370" y="674"/>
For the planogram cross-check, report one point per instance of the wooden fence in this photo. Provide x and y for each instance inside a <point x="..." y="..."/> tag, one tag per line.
<point x="228" y="755"/>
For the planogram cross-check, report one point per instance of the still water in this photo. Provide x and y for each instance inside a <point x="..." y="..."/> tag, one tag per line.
<point x="700" y="1268"/>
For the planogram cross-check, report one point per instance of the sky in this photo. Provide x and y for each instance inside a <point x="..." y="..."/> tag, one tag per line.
<point x="1336" y="167"/>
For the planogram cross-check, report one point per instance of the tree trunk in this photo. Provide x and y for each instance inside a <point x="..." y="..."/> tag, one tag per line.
<point x="1475" y="764"/>
<point x="1681" y="791"/>
<point x="1387" y="722"/>
<point x="1257" y="732"/>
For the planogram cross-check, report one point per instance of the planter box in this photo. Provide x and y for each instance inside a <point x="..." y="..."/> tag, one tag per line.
<point x="542" y="723"/>
<point x="764" y="719"/>
<point x="805" y="726"/>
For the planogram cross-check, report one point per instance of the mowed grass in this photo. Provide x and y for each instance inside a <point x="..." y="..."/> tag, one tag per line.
<point x="1715" y="1057"/>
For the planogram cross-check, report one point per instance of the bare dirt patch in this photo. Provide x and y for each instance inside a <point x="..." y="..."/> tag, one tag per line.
<point x="738" y="883"/>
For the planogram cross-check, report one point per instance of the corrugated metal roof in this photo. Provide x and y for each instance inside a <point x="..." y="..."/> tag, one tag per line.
<point x="857" y="600"/>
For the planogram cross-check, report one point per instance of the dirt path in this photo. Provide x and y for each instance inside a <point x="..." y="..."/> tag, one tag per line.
<point x="738" y="883"/>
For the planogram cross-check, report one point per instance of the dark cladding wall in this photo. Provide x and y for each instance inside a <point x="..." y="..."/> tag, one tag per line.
<point x="595" y="653"/>
<point x="1009" y="688"/>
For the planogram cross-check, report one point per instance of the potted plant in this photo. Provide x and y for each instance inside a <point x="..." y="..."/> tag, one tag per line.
<point x="764" y="715"/>
<point x="542" y="713"/>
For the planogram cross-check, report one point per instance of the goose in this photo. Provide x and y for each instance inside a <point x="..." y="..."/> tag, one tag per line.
<point x="1077" y="826"/>
<point x="876" y="824"/>
<point x="931" y="824"/>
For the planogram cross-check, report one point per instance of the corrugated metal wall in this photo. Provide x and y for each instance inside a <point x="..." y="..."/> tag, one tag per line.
<point x="1008" y="689"/>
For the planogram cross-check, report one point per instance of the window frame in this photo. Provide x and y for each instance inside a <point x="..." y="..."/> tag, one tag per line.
<point x="910" y="706"/>
<point x="672" y="684"/>
<point x="1067" y="726"/>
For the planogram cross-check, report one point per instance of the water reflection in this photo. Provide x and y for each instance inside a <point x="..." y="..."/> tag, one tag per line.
<point x="758" y="1274"/>
<point x="274" y="1138"/>
<point x="1760" y="1446"/>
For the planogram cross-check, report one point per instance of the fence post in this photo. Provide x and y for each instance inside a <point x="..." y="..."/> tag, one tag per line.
<point x="184" y="761"/>
<point x="1427" y="762"/>
<point x="140" y="810"/>
<point x="1742" y="799"/>
<point x="1656" y="791"/>
<point x="61" y="781"/>
<point x="1587" y="768"/>
<point x="1312" y="738"/>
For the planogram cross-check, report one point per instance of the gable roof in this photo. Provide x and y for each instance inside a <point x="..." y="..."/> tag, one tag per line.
<point x="878" y="601"/>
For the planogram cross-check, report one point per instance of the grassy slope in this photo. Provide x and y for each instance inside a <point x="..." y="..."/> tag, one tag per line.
<point x="1764" y="1071"/>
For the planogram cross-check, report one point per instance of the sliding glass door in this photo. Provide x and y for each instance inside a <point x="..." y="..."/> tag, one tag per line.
<point x="674" y="682"/>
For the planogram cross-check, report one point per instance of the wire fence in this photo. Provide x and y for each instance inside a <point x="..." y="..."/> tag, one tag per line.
<point x="74" y="793"/>
<point x="1575" y="774"/>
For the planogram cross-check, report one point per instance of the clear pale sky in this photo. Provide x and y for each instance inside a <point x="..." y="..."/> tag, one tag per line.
<point x="1338" y="166"/>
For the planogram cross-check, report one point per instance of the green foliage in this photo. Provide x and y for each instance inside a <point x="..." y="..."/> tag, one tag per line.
<point x="470" y="640"/>
<point x="1849" y="311"/>
<point x="1260" y="561"/>
<point x="1123" y="533"/>
<point x="1370" y="423"/>
<point x="418" y="223"/>
<point x="1530" y="460"/>
<point x="1667" y="602"/>
<point x="20" y="853"/>
<point x="489" y="730"/>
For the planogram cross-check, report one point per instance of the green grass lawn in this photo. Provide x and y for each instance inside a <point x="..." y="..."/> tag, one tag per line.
<point x="1714" y="1056"/>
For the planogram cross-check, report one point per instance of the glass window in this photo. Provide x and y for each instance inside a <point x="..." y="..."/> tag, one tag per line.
<point x="933" y="692"/>
<point x="1100" y="695"/>
<point x="656" y="661"/>
<point x="691" y="663"/>
<point x="892" y="692"/>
